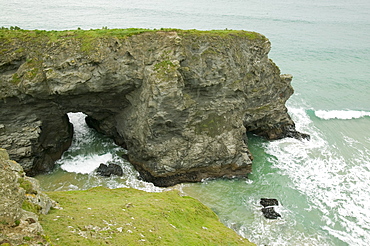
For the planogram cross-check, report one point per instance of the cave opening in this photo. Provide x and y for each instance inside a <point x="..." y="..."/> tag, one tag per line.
<point x="78" y="167"/>
<point x="89" y="148"/>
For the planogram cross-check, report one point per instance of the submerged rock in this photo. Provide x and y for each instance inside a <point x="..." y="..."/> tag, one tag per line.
<point x="109" y="170"/>
<point x="180" y="101"/>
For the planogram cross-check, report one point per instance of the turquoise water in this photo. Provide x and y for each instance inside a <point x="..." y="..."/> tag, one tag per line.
<point x="323" y="185"/>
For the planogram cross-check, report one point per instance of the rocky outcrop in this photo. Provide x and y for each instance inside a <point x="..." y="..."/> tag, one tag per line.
<point x="181" y="102"/>
<point x="21" y="202"/>
<point x="268" y="209"/>
<point x="109" y="170"/>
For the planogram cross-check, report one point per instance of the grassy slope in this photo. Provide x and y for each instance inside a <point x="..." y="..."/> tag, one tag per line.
<point x="102" y="216"/>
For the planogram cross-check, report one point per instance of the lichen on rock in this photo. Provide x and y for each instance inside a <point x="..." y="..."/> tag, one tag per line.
<point x="180" y="101"/>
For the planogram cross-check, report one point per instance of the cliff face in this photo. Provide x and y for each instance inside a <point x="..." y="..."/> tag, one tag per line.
<point x="20" y="204"/>
<point x="181" y="102"/>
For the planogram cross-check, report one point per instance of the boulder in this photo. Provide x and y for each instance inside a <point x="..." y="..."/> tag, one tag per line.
<point x="109" y="170"/>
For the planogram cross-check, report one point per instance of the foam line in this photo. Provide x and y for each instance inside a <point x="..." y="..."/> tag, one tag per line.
<point x="341" y="114"/>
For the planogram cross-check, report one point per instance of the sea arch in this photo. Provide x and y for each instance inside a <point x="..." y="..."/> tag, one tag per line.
<point x="179" y="101"/>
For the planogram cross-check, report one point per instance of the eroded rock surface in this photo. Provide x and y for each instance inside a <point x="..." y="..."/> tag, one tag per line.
<point x="181" y="102"/>
<point x="21" y="202"/>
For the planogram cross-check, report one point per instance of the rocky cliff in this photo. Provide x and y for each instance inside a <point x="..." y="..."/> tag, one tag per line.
<point x="180" y="101"/>
<point x="21" y="202"/>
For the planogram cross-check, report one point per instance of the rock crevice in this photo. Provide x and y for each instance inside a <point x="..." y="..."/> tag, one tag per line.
<point x="181" y="102"/>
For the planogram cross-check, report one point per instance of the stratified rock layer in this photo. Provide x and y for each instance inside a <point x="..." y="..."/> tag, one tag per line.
<point x="179" y="101"/>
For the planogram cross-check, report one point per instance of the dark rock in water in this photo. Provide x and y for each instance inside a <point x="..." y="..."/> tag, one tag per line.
<point x="267" y="202"/>
<point x="270" y="213"/>
<point x="111" y="169"/>
<point x="126" y="157"/>
<point x="292" y="133"/>
<point x="279" y="131"/>
<point x="268" y="208"/>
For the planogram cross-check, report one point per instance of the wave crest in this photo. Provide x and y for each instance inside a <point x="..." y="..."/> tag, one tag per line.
<point x="341" y="114"/>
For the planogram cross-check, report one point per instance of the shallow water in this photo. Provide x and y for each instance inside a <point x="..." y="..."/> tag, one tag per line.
<point x="323" y="185"/>
<point x="89" y="149"/>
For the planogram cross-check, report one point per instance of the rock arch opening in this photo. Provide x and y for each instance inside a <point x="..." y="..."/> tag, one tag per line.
<point x="88" y="148"/>
<point x="82" y="165"/>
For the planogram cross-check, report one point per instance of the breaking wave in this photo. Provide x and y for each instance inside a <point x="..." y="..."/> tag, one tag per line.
<point x="76" y="168"/>
<point x="341" y="114"/>
<point x="337" y="186"/>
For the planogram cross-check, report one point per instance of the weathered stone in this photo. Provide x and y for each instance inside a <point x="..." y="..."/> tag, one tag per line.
<point x="16" y="190"/>
<point x="179" y="101"/>
<point x="109" y="170"/>
<point x="38" y="198"/>
<point x="12" y="196"/>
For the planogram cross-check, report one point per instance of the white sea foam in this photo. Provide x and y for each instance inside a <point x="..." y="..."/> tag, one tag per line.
<point x="341" y="114"/>
<point x="336" y="186"/>
<point x="279" y="232"/>
<point x="88" y="151"/>
<point x="84" y="164"/>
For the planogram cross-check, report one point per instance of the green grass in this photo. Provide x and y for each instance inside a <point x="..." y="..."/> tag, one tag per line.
<point x="31" y="207"/>
<point x="15" y="78"/>
<point x="87" y="38"/>
<point x="7" y="35"/>
<point x="19" y="33"/>
<point x="27" y="186"/>
<point x="224" y="33"/>
<point x="102" y="216"/>
<point x="166" y="64"/>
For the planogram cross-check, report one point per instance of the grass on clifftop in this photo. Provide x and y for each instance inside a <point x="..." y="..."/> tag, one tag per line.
<point x="102" y="216"/>
<point x="88" y="38"/>
<point x="7" y="34"/>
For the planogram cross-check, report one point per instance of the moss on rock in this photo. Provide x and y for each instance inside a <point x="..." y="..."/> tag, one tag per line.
<point x="213" y="126"/>
<point x="27" y="186"/>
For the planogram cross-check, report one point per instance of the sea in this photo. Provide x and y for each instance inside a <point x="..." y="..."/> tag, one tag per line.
<point x="322" y="185"/>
